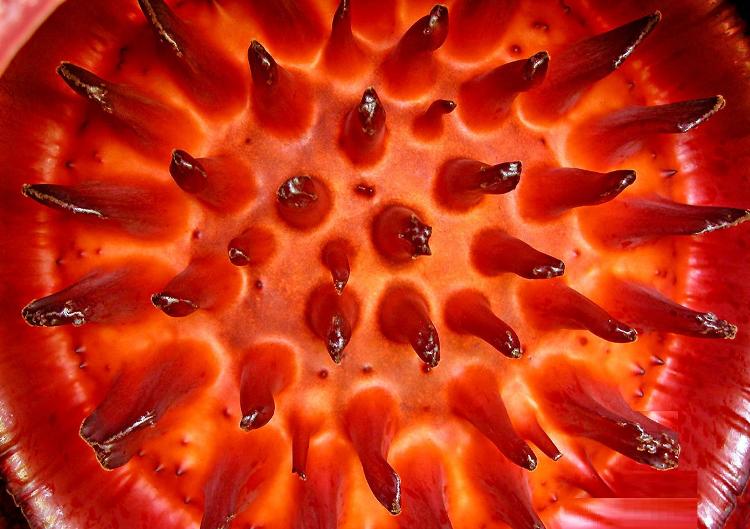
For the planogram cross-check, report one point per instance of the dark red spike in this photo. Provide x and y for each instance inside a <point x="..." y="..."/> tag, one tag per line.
<point x="462" y="183"/>
<point x="363" y="133"/>
<point x="102" y="296"/>
<point x="207" y="283"/>
<point x="409" y="69"/>
<point x="485" y="100"/>
<point x="529" y="428"/>
<point x="266" y="371"/>
<point x="635" y="221"/>
<point x="154" y="125"/>
<point x="303" y="202"/>
<point x="583" y="63"/>
<point x="253" y="247"/>
<point x="424" y="485"/>
<point x="554" y="305"/>
<point x="427" y="34"/>
<point x="649" y="310"/>
<point x="400" y="235"/>
<point x="494" y="252"/>
<point x="320" y="505"/>
<point x="371" y="421"/>
<point x="263" y="67"/>
<point x="282" y="101"/>
<point x="612" y="138"/>
<point x="211" y="80"/>
<point x="138" y="399"/>
<point x="343" y="55"/>
<point x="429" y="125"/>
<point x="550" y="192"/>
<point x="576" y="401"/>
<point x="469" y="312"/>
<point x="222" y="182"/>
<point x="478" y="26"/>
<point x="332" y="316"/>
<point x="301" y="431"/>
<point x="144" y="211"/>
<point x="405" y="318"/>
<point x="188" y="172"/>
<point x="335" y="257"/>
<point x="502" y="486"/>
<point x="243" y="464"/>
<point x="293" y="27"/>
<point x="475" y="396"/>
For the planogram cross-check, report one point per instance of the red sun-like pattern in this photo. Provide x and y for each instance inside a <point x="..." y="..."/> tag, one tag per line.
<point x="320" y="264"/>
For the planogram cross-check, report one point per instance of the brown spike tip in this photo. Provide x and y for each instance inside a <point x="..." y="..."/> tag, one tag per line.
<point x="400" y="235"/>
<point x="187" y="172"/>
<point x="404" y="318"/>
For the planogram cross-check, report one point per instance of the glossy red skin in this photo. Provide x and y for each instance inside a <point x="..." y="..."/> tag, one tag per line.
<point x="714" y="429"/>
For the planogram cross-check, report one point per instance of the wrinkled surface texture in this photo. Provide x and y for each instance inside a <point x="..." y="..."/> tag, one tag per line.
<point x="200" y="418"/>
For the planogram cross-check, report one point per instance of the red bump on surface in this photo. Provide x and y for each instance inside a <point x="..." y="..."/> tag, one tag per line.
<point x="469" y="312"/>
<point x="282" y="100"/>
<point x="343" y="54"/>
<point x="613" y="137"/>
<point x="303" y="202"/>
<point x="648" y="309"/>
<point x="332" y="316"/>
<point x="462" y="183"/>
<point x="429" y="124"/>
<point x="253" y="247"/>
<point x="579" y="65"/>
<point x="636" y="221"/>
<point x="152" y="124"/>
<point x="140" y="396"/>
<point x="212" y="81"/>
<point x="140" y="210"/>
<point x="409" y="69"/>
<point x="400" y="235"/>
<point x="494" y="252"/>
<point x="485" y="100"/>
<point x="405" y="318"/>
<point x="581" y="404"/>
<point x="335" y="257"/>
<point x="554" y="305"/>
<point x="293" y="27"/>
<point x="207" y="283"/>
<point x="102" y="296"/>
<point x="547" y="193"/>
<point x="220" y="182"/>
<point x="475" y="396"/>
<point x="363" y="132"/>
<point x="266" y="370"/>
<point x="371" y="420"/>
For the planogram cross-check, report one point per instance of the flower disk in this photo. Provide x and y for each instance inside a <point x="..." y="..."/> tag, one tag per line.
<point x="432" y="268"/>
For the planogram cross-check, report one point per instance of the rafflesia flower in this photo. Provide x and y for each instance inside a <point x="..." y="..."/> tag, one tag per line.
<point x="382" y="264"/>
